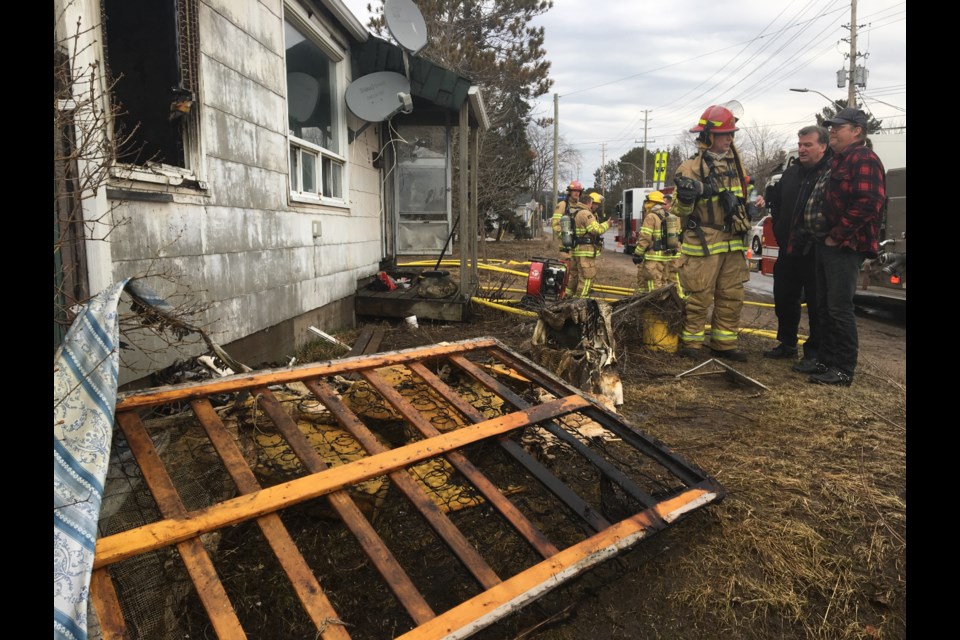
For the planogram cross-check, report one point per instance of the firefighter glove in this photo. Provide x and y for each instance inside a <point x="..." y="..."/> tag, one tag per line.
<point x="688" y="189"/>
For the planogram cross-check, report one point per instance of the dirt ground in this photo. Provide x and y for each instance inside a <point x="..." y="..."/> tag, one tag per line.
<point x="810" y="541"/>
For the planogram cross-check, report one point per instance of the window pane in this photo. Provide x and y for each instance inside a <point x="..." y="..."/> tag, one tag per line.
<point x="309" y="173"/>
<point x="294" y="168"/>
<point x="311" y="86"/>
<point x="332" y="178"/>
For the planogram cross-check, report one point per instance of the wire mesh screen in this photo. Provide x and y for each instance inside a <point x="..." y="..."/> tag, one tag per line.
<point x="365" y="502"/>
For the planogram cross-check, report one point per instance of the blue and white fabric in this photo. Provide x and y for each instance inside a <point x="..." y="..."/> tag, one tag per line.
<point x="85" y="374"/>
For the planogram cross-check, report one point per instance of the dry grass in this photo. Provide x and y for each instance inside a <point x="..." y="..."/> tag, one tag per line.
<point x="810" y="541"/>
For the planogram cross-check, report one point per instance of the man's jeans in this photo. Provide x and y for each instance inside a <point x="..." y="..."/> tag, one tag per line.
<point x="838" y="271"/>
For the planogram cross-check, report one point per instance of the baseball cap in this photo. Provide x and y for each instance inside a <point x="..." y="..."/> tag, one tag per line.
<point x="848" y="115"/>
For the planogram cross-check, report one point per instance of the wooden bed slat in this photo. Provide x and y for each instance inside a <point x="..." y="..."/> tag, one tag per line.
<point x="307" y="588"/>
<point x="195" y="558"/>
<point x="373" y="546"/>
<point x="120" y="546"/>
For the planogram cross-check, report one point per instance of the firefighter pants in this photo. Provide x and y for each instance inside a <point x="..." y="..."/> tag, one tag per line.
<point x="652" y="274"/>
<point x="583" y="269"/>
<point x="713" y="280"/>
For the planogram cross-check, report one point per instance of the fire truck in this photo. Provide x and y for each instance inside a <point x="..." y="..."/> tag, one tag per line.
<point x="630" y="211"/>
<point x="883" y="280"/>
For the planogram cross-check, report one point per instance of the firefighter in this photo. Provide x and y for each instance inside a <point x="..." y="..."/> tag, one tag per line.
<point x="586" y="247"/>
<point x="656" y="254"/>
<point x="711" y="205"/>
<point x="569" y="206"/>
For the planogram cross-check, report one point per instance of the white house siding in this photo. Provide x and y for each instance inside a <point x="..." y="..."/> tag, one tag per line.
<point x="242" y="245"/>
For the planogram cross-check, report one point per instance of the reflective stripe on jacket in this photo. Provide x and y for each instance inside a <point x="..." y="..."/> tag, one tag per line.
<point x="587" y="227"/>
<point x="711" y="216"/>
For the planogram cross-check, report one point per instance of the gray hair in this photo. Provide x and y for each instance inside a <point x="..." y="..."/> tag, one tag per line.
<point x="823" y="136"/>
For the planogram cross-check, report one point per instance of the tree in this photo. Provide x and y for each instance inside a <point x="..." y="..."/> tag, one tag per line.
<point x="873" y="125"/>
<point x="762" y="152"/>
<point x="491" y="43"/>
<point x="540" y="139"/>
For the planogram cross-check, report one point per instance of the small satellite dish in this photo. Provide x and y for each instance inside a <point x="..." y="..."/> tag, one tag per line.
<point x="406" y="24"/>
<point x="377" y="96"/>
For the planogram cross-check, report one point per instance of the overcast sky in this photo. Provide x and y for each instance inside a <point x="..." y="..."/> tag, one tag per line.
<point x="619" y="65"/>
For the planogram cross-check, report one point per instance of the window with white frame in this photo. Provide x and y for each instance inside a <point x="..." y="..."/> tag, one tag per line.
<point x="314" y="118"/>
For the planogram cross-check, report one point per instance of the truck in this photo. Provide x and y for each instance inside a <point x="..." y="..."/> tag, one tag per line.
<point x="883" y="280"/>
<point x="630" y="212"/>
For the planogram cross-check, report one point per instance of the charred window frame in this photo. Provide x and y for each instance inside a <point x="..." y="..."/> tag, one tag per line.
<point x="315" y="120"/>
<point x="152" y="54"/>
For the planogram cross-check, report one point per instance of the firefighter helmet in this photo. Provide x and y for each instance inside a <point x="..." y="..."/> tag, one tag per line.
<point x="655" y="196"/>
<point x="596" y="197"/>
<point x="575" y="186"/>
<point x="716" y="119"/>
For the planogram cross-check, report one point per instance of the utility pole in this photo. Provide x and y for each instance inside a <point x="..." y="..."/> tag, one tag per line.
<point x="603" y="173"/>
<point x="645" y="142"/>
<point x="556" y="151"/>
<point x="852" y="90"/>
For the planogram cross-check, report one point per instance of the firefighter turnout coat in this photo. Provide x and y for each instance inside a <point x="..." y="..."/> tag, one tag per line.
<point x="714" y="264"/>
<point x="588" y="243"/>
<point x="660" y="264"/>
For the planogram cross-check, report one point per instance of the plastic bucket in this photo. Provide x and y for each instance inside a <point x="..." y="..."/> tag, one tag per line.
<point x="656" y="333"/>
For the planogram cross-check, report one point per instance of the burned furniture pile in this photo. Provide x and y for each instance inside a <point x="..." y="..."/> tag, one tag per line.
<point x="423" y="493"/>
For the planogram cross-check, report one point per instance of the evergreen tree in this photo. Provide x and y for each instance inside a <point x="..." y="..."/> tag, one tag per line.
<point x="873" y="125"/>
<point x="492" y="43"/>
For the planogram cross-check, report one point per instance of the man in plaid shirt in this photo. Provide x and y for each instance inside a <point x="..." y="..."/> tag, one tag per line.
<point x="853" y="201"/>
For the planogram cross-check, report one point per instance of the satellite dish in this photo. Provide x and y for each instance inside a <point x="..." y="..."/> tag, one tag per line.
<point x="377" y="96"/>
<point x="302" y="93"/>
<point x="406" y="24"/>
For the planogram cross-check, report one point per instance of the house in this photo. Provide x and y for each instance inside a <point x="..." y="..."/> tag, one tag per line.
<point x="242" y="172"/>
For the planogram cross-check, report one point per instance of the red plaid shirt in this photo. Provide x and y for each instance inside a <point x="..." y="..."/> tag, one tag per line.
<point x="854" y="198"/>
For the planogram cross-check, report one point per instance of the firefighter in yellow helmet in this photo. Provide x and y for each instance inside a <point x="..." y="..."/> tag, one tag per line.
<point x="657" y="252"/>
<point x="587" y="245"/>
<point x="567" y="207"/>
<point x="710" y="203"/>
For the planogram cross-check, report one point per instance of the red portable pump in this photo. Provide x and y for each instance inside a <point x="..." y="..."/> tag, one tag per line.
<point x="548" y="279"/>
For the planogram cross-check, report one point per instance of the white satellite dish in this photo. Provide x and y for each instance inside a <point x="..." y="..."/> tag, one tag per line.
<point x="378" y="96"/>
<point x="406" y="24"/>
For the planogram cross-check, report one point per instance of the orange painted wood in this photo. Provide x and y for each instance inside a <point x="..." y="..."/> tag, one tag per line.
<point x="512" y="594"/>
<point x="437" y="520"/>
<point x="171" y="530"/>
<point x="195" y="558"/>
<point x="373" y="546"/>
<point x="247" y="381"/>
<point x="103" y="595"/>
<point x="304" y="583"/>
<point x="460" y="462"/>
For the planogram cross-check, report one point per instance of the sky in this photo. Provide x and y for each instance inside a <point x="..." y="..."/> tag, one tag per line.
<point x="627" y="71"/>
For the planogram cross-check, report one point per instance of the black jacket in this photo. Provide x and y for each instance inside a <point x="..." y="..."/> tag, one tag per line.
<point x="787" y="198"/>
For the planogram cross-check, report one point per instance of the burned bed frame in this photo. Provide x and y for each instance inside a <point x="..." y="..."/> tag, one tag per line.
<point x="681" y="488"/>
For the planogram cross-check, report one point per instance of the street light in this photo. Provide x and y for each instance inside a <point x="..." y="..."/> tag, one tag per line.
<point x="833" y="102"/>
<point x="644" y="173"/>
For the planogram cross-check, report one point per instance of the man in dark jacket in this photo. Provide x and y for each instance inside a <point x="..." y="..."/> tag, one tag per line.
<point x="794" y="278"/>
<point x="853" y="203"/>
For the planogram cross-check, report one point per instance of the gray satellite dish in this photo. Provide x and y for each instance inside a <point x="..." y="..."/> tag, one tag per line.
<point x="406" y="24"/>
<point x="378" y="96"/>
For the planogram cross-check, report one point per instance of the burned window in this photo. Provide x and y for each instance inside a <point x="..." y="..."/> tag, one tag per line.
<point x="151" y="51"/>
<point x="313" y="122"/>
